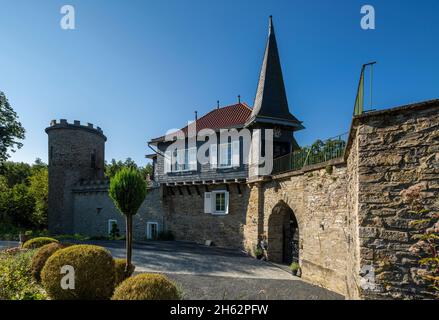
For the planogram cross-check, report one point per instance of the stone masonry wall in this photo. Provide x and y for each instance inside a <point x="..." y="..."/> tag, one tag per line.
<point x="318" y="199"/>
<point x="397" y="148"/>
<point x="353" y="254"/>
<point x="93" y="209"/>
<point x="185" y="216"/>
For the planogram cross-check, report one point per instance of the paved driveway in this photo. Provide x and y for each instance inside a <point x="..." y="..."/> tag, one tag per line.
<point x="216" y="273"/>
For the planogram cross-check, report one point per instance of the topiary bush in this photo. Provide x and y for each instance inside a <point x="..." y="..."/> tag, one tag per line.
<point x="146" y="286"/>
<point x="94" y="273"/>
<point x="119" y="271"/>
<point x="38" y="242"/>
<point x="41" y="256"/>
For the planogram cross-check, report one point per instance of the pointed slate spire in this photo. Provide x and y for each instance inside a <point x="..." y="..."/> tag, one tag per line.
<point x="271" y="105"/>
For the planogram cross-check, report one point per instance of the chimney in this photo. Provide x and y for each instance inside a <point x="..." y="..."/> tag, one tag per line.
<point x="217" y="104"/>
<point x="239" y="98"/>
<point x="196" y="115"/>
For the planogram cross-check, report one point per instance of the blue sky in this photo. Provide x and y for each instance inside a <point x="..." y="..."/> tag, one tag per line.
<point x="139" y="68"/>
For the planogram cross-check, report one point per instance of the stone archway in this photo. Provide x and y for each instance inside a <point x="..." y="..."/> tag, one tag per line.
<point x="283" y="235"/>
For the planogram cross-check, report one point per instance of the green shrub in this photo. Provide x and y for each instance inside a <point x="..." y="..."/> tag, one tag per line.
<point x="294" y="267"/>
<point x="119" y="268"/>
<point x="41" y="256"/>
<point x="38" y="242"/>
<point x="146" y="286"/>
<point x="16" y="282"/>
<point x="94" y="273"/>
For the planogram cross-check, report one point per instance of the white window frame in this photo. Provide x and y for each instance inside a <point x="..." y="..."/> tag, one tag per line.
<point x="148" y="230"/>
<point x="226" y="203"/>
<point x="110" y="224"/>
<point x="228" y="157"/>
<point x="186" y="155"/>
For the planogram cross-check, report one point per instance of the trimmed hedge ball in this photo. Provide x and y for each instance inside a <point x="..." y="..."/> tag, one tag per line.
<point x="41" y="256"/>
<point x="38" y="242"/>
<point x="146" y="286"/>
<point x="119" y="268"/>
<point x="93" y="273"/>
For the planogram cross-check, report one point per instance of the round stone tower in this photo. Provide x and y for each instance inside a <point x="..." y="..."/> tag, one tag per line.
<point x="76" y="153"/>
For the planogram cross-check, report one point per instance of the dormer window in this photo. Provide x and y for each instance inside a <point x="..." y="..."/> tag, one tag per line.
<point x="181" y="160"/>
<point x="225" y="155"/>
<point x="228" y="155"/>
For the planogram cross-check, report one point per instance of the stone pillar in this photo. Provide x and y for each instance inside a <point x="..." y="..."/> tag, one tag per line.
<point x="254" y="225"/>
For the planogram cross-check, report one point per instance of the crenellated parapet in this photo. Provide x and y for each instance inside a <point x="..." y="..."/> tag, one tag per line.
<point x="64" y="124"/>
<point x="85" y="186"/>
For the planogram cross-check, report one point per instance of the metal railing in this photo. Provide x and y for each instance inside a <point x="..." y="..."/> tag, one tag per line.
<point x="319" y="152"/>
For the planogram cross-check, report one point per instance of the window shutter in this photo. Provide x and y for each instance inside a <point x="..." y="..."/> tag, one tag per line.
<point x="193" y="159"/>
<point x="226" y="197"/>
<point x="213" y="155"/>
<point x="207" y="202"/>
<point x="235" y="153"/>
<point x="167" y="159"/>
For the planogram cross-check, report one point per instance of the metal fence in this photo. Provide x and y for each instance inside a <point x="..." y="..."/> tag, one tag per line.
<point x="319" y="152"/>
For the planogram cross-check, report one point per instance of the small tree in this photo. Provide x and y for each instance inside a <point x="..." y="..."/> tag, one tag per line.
<point x="11" y="130"/>
<point x="128" y="190"/>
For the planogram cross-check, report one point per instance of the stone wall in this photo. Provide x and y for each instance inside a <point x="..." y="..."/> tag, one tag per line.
<point x="353" y="253"/>
<point x="185" y="217"/>
<point x="318" y="198"/>
<point x="70" y="150"/>
<point x="351" y="216"/>
<point x="397" y="148"/>
<point x="93" y="207"/>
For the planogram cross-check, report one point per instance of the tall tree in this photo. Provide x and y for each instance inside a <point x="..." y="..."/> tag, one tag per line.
<point x="11" y="130"/>
<point x="39" y="189"/>
<point x="128" y="191"/>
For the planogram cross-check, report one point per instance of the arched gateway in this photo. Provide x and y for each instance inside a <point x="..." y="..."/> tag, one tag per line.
<point x="283" y="235"/>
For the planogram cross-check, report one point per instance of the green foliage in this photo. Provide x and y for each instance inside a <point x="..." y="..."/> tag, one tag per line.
<point x="94" y="273"/>
<point x="114" y="166"/>
<point x="128" y="190"/>
<point x="114" y="232"/>
<point x="16" y="173"/>
<point x="18" y="205"/>
<point x="120" y="274"/>
<point x="147" y="287"/>
<point x="16" y="282"/>
<point x="11" y="130"/>
<point x="41" y="256"/>
<point x="427" y="236"/>
<point x="24" y="195"/>
<point x="258" y="251"/>
<point x="9" y="232"/>
<point x="294" y="267"/>
<point x="39" y="190"/>
<point x="38" y="242"/>
<point x="75" y="236"/>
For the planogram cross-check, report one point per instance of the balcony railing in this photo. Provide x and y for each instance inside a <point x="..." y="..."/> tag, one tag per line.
<point x="319" y="152"/>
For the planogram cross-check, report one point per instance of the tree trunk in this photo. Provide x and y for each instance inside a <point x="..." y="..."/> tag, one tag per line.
<point x="129" y="245"/>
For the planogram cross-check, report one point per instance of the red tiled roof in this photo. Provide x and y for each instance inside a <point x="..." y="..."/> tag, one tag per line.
<point x="226" y="117"/>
